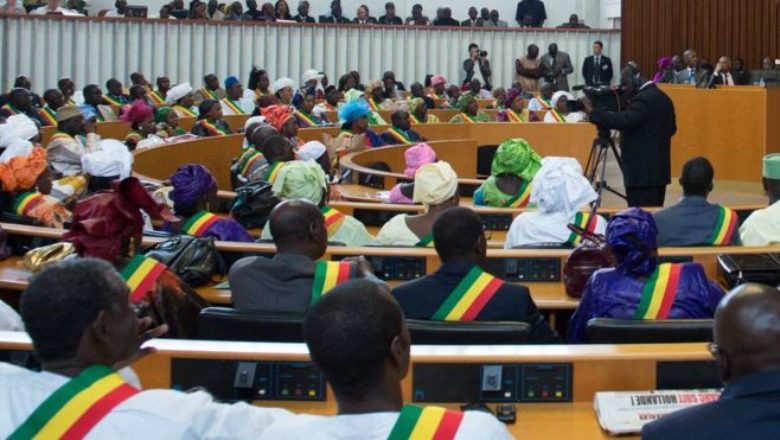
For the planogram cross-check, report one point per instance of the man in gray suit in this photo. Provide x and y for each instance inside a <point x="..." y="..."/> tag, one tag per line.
<point x="494" y="20"/>
<point x="692" y="74"/>
<point x="474" y="18"/>
<point x="693" y="221"/>
<point x="557" y="65"/>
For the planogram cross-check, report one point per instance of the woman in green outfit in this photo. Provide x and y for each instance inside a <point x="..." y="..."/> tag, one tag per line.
<point x="509" y="186"/>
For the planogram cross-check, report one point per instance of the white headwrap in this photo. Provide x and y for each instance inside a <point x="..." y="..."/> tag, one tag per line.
<point x="18" y="127"/>
<point x="113" y="159"/>
<point x="434" y="183"/>
<point x="254" y="120"/>
<point x="17" y="147"/>
<point x="558" y="95"/>
<point x="312" y="150"/>
<point x="310" y="75"/>
<point x="559" y="186"/>
<point x="177" y="92"/>
<point x="282" y="83"/>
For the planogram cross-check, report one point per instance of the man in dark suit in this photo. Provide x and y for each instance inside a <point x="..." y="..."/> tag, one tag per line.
<point x="401" y="131"/>
<point x="747" y="351"/>
<point x="597" y="68"/>
<point x="722" y="75"/>
<point x="557" y="65"/>
<point x="303" y="13"/>
<point x="460" y="242"/>
<point x="335" y="14"/>
<point x="692" y="74"/>
<point x="390" y="17"/>
<point x="474" y="19"/>
<point x="647" y="127"/>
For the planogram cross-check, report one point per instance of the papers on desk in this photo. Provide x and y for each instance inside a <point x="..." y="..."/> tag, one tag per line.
<point x="626" y="412"/>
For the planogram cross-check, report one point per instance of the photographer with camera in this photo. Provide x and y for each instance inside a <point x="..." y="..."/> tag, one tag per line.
<point x="477" y="66"/>
<point x="646" y="129"/>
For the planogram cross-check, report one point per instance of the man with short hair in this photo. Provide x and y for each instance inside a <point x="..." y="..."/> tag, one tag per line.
<point x="388" y="78"/>
<point x="163" y="85"/>
<point x="19" y="102"/>
<point x="120" y="11"/>
<point x="474" y="19"/>
<point x="54" y="100"/>
<point x="68" y="89"/>
<point x="53" y="8"/>
<point x="252" y="13"/>
<point x="692" y="74"/>
<point x="418" y="91"/>
<point x="446" y="19"/>
<point x="115" y="94"/>
<point x="747" y="352"/>
<point x="529" y="69"/>
<point x="210" y="90"/>
<point x="573" y="23"/>
<point x="417" y="17"/>
<point x="477" y="66"/>
<point x="459" y="238"/>
<point x="93" y="98"/>
<point x="557" y="65"/>
<point x="84" y="332"/>
<point x="303" y="13"/>
<point x="23" y="82"/>
<point x="494" y="20"/>
<point x="693" y="221"/>
<point x="235" y="103"/>
<point x="762" y="228"/>
<point x="722" y="75"/>
<point x="73" y="139"/>
<point x="597" y="68"/>
<point x="543" y="100"/>
<point x="335" y="14"/>
<point x="390" y="17"/>
<point x="401" y="133"/>
<point x="534" y="9"/>
<point x="357" y="337"/>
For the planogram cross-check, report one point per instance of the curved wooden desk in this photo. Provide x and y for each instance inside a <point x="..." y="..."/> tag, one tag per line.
<point x="107" y="130"/>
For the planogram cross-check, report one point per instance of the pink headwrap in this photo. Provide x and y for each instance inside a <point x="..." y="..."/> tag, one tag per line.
<point x="138" y="112"/>
<point x="438" y="79"/>
<point x="417" y="156"/>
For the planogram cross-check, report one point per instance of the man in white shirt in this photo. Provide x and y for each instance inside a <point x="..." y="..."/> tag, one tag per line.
<point x="73" y="139"/>
<point x="120" y="11"/>
<point x="79" y="317"/>
<point x="53" y="7"/>
<point x="235" y="103"/>
<point x="357" y="336"/>
<point x="762" y="228"/>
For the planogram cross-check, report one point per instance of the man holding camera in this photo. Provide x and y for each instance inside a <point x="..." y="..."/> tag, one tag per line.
<point x="646" y="128"/>
<point x="557" y="65"/>
<point x="477" y="66"/>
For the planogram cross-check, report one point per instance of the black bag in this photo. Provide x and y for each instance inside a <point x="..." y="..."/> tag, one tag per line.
<point x="237" y="180"/>
<point x="194" y="260"/>
<point x="751" y="268"/>
<point x="253" y="204"/>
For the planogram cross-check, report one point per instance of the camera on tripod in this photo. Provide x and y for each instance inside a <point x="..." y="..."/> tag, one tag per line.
<point x="603" y="97"/>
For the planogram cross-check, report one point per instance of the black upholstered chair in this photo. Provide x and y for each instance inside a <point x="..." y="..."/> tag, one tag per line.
<point x="634" y="331"/>
<point x="222" y="323"/>
<point x="468" y="333"/>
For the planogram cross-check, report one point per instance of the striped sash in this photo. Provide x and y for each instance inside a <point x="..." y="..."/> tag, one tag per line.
<point x="659" y="292"/>
<point x="546" y="105"/>
<point x="333" y="220"/>
<point x="61" y="136"/>
<point x="426" y="423"/>
<point x="212" y="128"/>
<point x="199" y="223"/>
<point x="521" y="200"/>
<point x="581" y="220"/>
<point x="110" y="100"/>
<point x="372" y="103"/>
<point x="725" y="226"/>
<point x="10" y="109"/>
<point x="426" y="241"/>
<point x="305" y="120"/>
<point x="470" y="296"/>
<point x="466" y="118"/>
<point x="399" y="136"/>
<point x="27" y="201"/>
<point x="327" y="275"/>
<point x="140" y="275"/>
<point x="414" y="121"/>
<point x="513" y="116"/>
<point x="157" y="97"/>
<point x="557" y="116"/>
<point x="48" y="116"/>
<point x="248" y="159"/>
<point x="273" y="171"/>
<point x="208" y="94"/>
<point x="233" y="106"/>
<point x="76" y="407"/>
<point x="184" y="111"/>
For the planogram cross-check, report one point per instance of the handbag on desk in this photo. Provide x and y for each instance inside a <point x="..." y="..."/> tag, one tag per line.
<point x="195" y="260"/>
<point x="589" y="256"/>
<point x="756" y="268"/>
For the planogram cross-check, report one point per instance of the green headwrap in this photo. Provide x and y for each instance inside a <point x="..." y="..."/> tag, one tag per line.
<point x="464" y="100"/>
<point x="414" y="103"/>
<point x="162" y="114"/>
<point x="301" y="180"/>
<point x="516" y="156"/>
<point x="353" y="95"/>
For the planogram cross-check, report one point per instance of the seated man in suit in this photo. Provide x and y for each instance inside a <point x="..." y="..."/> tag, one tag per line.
<point x="460" y="290"/>
<point x="288" y="281"/>
<point x="638" y="287"/>
<point x="722" y="75"/>
<point x="335" y="14"/>
<point x="747" y="351"/>
<point x="692" y="74"/>
<point x="693" y="221"/>
<point x="357" y="337"/>
<point x="84" y="332"/>
<point x="401" y="131"/>
<point x="762" y="228"/>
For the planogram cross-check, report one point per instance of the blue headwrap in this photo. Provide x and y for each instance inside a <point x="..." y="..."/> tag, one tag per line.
<point x="88" y="111"/>
<point x="631" y="235"/>
<point x="190" y="183"/>
<point x="229" y="81"/>
<point x="351" y="111"/>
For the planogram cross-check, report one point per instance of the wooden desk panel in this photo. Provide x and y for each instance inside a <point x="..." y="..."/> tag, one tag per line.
<point x="107" y="130"/>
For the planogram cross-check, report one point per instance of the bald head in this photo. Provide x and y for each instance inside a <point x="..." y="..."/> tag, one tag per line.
<point x="299" y="227"/>
<point x="747" y="331"/>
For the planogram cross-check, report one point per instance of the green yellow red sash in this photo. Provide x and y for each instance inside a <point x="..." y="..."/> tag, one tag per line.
<point x="233" y="106"/>
<point x="110" y="100"/>
<point x="134" y="137"/>
<point x="212" y="128"/>
<point x="199" y="223"/>
<point x="546" y="105"/>
<point x="521" y="200"/>
<point x="60" y="135"/>
<point x="26" y="201"/>
<point x="305" y="120"/>
<point x="659" y="292"/>
<point x="48" y="116"/>
<point x="470" y="296"/>
<point x="724" y="227"/>
<point x="399" y="135"/>
<point x="184" y="110"/>
<point x="333" y="220"/>
<point x="557" y="116"/>
<point x="466" y="118"/>
<point x="10" y="109"/>
<point x="140" y="275"/>
<point x="413" y="119"/>
<point x="372" y="103"/>
<point x="429" y="423"/>
<point x="327" y="275"/>
<point x="582" y="220"/>
<point x="514" y="116"/>
<point x="157" y="97"/>
<point x="249" y="158"/>
<point x="273" y="171"/>
<point x="208" y="94"/>
<point x="426" y="241"/>
<point x="76" y="407"/>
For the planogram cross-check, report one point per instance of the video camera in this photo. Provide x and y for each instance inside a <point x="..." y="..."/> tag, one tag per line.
<point x="602" y="98"/>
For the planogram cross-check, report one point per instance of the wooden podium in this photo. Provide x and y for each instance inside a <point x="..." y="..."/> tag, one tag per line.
<point x="734" y="127"/>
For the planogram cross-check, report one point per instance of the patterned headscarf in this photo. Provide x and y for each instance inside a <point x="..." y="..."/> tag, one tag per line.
<point x="353" y="95"/>
<point x="162" y="114"/>
<point x="300" y="179"/>
<point x="417" y="156"/>
<point x="190" y="183"/>
<point x="631" y="235"/>
<point x="516" y="156"/>
<point x="373" y="84"/>
<point x="511" y="95"/>
<point x="20" y="172"/>
<point x="464" y="100"/>
<point x="277" y="115"/>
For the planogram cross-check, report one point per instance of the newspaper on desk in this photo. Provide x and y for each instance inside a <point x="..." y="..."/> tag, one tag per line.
<point x="627" y="411"/>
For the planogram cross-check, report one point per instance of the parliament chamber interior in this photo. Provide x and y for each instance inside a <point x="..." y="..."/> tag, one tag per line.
<point x="227" y="220"/>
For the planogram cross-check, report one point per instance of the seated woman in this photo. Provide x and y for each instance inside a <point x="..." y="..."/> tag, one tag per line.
<point x="210" y="122"/>
<point x="638" y="287"/>
<point x="560" y="109"/>
<point x="194" y="191"/>
<point x="282" y="119"/>
<point x="374" y="118"/>
<point x="436" y="187"/>
<point x="144" y="130"/>
<point x="168" y="123"/>
<point x="513" y="110"/>
<point x="318" y="152"/>
<point x="560" y="192"/>
<point x="180" y="97"/>
<point x="108" y="225"/>
<point x="509" y="186"/>
<point x="284" y="88"/>
<point x="306" y="180"/>
<point x="375" y="96"/>
<point x="355" y="134"/>
<point x="112" y="162"/>
<point x="418" y="113"/>
<point x="304" y="116"/>
<point x="416" y="156"/>
<point x="469" y="110"/>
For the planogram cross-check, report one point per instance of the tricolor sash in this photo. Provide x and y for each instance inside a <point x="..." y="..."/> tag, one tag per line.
<point x="199" y="223"/>
<point x="184" y="111"/>
<point x="77" y="406"/>
<point x="10" y="109"/>
<point x="212" y="128"/>
<point x="513" y="116"/>
<point x="659" y="292"/>
<point x="247" y="160"/>
<point x="327" y="275"/>
<point x="521" y="200"/>
<point x="259" y="93"/>
<point x="398" y="135"/>
<point x="470" y="296"/>
<point x="581" y="220"/>
<point x="60" y="136"/>
<point x="233" y="106"/>
<point x="157" y="97"/>
<point x="110" y="100"/>
<point x="466" y="118"/>
<point x="140" y="275"/>
<point x="546" y="105"/>
<point x="26" y="201"/>
<point x="426" y="241"/>
<point x="273" y="171"/>
<point x="725" y="226"/>
<point x="208" y="93"/>
<point x="333" y="220"/>
<point x="429" y="423"/>
<point x="48" y="116"/>
<point x="305" y="120"/>
<point x="413" y="119"/>
<point x="372" y="103"/>
<point x="557" y="116"/>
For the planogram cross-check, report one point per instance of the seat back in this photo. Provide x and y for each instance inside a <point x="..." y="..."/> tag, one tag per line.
<point x="634" y="331"/>
<point x="424" y="332"/>
<point x="485" y="155"/>
<point x="222" y="323"/>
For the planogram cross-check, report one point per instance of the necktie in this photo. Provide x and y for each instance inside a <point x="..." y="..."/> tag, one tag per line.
<point x="691" y="76"/>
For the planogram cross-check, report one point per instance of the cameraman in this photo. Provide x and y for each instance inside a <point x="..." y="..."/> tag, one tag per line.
<point x="477" y="66"/>
<point x="646" y="128"/>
